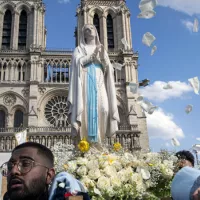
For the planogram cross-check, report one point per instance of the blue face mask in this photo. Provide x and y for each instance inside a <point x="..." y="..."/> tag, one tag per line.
<point x="185" y="182"/>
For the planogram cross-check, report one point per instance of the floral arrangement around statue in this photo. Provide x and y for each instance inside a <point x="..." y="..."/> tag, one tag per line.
<point x="116" y="173"/>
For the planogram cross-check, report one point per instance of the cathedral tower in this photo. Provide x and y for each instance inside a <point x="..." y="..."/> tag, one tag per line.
<point x="22" y="24"/>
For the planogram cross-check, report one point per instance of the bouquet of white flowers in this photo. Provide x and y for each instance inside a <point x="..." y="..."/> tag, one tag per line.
<point x="115" y="173"/>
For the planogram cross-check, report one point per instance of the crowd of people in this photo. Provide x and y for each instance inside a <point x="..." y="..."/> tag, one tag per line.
<point x="31" y="176"/>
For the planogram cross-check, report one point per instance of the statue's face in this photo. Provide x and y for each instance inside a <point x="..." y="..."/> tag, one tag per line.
<point x="89" y="31"/>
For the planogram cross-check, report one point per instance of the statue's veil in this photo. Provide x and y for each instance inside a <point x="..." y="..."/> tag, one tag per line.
<point x="82" y="40"/>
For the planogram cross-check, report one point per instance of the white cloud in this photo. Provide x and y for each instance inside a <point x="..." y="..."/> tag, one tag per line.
<point x="161" y="125"/>
<point x="63" y="1"/>
<point x="188" y="24"/>
<point x="189" y="7"/>
<point x="156" y="92"/>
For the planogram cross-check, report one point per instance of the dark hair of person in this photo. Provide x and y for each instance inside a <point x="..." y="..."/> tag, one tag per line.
<point x="42" y="150"/>
<point x="187" y="155"/>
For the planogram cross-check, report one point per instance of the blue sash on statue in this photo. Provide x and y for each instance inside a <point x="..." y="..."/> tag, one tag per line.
<point x="92" y="104"/>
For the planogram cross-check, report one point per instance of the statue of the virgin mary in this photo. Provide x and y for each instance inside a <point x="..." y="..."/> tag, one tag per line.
<point x="92" y="97"/>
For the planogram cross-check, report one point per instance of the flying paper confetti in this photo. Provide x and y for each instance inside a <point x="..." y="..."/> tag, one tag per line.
<point x="167" y="87"/>
<point x="147" y="106"/>
<point x="148" y="39"/>
<point x="146" y="5"/>
<point x="139" y="100"/>
<point x="194" y="82"/>
<point x="117" y="66"/>
<point x="147" y="14"/>
<point x="196" y="25"/>
<point x="125" y="43"/>
<point x="133" y="87"/>
<point x="153" y="50"/>
<point x="196" y="147"/>
<point x="21" y="137"/>
<point x="188" y="109"/>
<point x="175" y="142"/>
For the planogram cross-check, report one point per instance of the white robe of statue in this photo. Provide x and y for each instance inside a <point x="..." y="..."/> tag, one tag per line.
<point x="92" y="97"/>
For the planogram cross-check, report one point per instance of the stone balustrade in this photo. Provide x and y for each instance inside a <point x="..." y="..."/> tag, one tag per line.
<point x="48" y="136"/>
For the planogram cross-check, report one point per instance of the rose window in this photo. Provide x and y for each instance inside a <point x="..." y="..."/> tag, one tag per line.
<point x="56" y="111"/>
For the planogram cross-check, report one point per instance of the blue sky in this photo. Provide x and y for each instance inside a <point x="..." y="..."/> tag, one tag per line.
<point x="176" y="60"/>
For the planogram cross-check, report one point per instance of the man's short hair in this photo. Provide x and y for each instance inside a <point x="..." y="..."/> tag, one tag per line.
<point x="41" y="150"/>
<point x="186" y="155"/>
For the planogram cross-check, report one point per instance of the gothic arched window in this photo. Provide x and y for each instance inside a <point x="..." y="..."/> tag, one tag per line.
<point x="22" y="30"/>
<point x="18" y="118"/>
<point x="7" y="24"/>
<point x="110" y="33"/>
<point x="2" y="119"/>
<point x="96" y="23"/>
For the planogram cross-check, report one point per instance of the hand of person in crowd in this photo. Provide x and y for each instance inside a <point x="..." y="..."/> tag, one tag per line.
<point x="196" y="195"/>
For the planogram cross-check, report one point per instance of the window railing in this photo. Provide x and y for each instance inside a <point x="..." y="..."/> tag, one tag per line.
<point x="56" y="74"/>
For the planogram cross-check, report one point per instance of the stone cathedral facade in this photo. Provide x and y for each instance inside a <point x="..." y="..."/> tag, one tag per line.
<point x="34" y="81"/>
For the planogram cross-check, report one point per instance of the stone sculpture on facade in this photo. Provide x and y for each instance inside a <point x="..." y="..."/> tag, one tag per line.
<point x="92" y="96"/>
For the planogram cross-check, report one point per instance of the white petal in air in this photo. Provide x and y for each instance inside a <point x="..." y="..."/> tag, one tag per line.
<point x="175" y="142"/>
<point x="133" y="87"/>
<point x="118" y="66"/>
<point x="139" y="99"/>
<point x="147" y="106"/>
<point x="196" y="147"/>
<point x="147" y="14"/>
<point x="148" y="39"/>
<point x="145" y="174"/>
<point x="125" y="43"/>
<point x="146" y="5"/>
<point x="194" y="82"/>
<point x="198" y="139"/>
<point x="188" y="109"/>
<point x="167" y="87"/>
<point x="196" y="25"/>
<point x="153" y="50"/>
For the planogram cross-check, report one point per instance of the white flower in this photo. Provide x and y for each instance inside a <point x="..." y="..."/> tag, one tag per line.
<point x="125" y="174"/>
<point x="94" y="174"/>
<point x="96" y="191"/>
<point x="167" y="172"/>
<point x="103" y="161"/>
<point x="103" y="183"/>
<point x="129" y="156"/>
<point x="82" y="170"/>
<point x="111" y="192"/>
<point x="144" y="172"/>
<point x="138" y="180"/>
<point x="110" y="171"/>
<point x="115" y="182"/>
<point x="124" y="161"/>
<point x="92" y="164"/>
<point x="117" y="165"/>
<point x="71" y="166"/>
<point x="81" y="161"/>
<point x="87" y="182"/>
